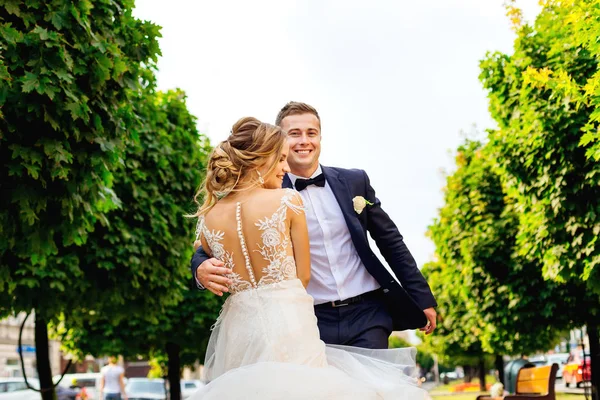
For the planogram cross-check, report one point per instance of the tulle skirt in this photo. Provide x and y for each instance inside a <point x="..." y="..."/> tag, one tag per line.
<point x="266" y="345"/>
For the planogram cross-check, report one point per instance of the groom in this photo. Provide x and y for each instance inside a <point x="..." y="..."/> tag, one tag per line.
<point x="357" y="301"/>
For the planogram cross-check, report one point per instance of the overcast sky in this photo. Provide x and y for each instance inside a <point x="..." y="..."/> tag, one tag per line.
<point x="395" y="82"/>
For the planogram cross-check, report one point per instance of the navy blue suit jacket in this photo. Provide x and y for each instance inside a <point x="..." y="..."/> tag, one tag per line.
<point x="405" y="302"/>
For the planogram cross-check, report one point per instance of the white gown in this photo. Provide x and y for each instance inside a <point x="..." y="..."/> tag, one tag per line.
<point x="265" y="343"/>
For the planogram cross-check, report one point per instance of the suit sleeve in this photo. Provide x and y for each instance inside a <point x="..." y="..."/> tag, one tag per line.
<point x="198" y="258"/>
<point x="391" y="245"/>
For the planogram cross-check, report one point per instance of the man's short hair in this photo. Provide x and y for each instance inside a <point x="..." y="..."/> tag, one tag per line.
<point x="296" y="108"/>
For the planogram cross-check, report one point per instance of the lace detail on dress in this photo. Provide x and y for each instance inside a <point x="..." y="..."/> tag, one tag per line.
<point x="213" y="239"/>
<point x="238" y="219"/>
<point x="275" y="242"/>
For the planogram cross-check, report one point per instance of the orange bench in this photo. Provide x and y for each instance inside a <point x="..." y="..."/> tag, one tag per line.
<point x="532" y="383"/>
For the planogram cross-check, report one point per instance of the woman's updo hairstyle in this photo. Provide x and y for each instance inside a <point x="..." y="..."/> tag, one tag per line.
<point x="233" y="163"/>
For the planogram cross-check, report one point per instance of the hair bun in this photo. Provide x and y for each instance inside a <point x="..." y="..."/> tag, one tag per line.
<point x="222" y="173"/>
<point x="249" y="146"/>
<point x="244" y="124"/>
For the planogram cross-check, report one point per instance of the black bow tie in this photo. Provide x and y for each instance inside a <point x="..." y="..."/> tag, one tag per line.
<point x="318" y="180"/>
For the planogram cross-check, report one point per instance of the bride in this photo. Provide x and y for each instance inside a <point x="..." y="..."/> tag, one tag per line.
<point x="265" y="343"/>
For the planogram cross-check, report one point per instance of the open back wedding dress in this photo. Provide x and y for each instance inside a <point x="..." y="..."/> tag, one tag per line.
<point x="265" y="343"/>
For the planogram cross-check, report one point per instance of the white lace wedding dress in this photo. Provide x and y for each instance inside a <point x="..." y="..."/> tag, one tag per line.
<point x="265" y="343"/>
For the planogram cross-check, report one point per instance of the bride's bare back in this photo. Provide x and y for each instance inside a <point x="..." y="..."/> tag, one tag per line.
<point x="262" y="237"/>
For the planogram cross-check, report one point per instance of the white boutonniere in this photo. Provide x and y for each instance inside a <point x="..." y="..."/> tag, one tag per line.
<point x="360" y="203"/>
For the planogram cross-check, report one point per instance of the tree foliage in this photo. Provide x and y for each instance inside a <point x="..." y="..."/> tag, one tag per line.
<point x="499" y="296"/>
<point x="144" y="303"/>
<point x="69" y="72"/>
<point x="544" y="99"/>
<point x="68" y="75"/>
<point x="457" y="337"/>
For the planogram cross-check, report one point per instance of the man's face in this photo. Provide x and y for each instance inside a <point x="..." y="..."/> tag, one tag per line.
<point x="304" y="137"/>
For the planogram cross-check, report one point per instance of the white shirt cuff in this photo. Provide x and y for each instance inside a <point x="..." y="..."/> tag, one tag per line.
<point x="198" y="284"/>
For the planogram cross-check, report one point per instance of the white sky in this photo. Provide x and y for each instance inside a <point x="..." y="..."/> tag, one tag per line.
<point x="395" y="82"/>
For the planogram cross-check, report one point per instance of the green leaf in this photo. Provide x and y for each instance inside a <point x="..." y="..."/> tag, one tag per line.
<point x="43" y="33"/>
<point x="57" y="20"/>
<point x="10" y="34"/>
<point x="12" y="7"/>
<point x="4" y="74"/>
<point x="30" y="82"/>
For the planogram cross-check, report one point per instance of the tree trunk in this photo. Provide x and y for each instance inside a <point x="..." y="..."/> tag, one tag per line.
<point x="481" y="367"/>
<point x="593" y="336"/>
<point x="43" y="358"/>
<point x="436" y="369"/>
<point x="174" y="368"/>
<point x="468" y="373"/>
<point x="499" y="364"/>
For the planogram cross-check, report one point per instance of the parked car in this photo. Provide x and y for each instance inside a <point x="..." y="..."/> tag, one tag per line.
<point x="538" y="361"/>
<point x="577" y="370"/>
<point x="560" y="359"/>
<point x="189" y="387"/>
<point x="16" y="389"/>
<point x="146" y="389"/>
<point x="549" y="359"/>
<point x="90" y="382"/>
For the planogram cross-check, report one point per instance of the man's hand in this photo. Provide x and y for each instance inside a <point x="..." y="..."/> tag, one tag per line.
<point x="431" y="320"/>
<point x="211" y="275"/>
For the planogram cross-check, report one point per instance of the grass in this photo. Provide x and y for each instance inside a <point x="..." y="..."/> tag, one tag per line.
<point x="442" y="392"/>
<point x="446" y="388"/>
<point x="472" y="396"/>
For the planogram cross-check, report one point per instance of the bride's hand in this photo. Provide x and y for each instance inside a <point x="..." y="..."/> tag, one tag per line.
<point x="211" y="275"/>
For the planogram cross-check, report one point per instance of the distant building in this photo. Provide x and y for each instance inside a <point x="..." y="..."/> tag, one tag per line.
<point x="577" y="338"/>
<point x="10" y="365"/>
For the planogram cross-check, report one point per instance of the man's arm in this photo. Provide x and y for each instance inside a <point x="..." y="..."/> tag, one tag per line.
<point x="101" y="389"/>
<point x="122" y="384"/>
<point x="198" y="258"/>
<point x="392" y="247"/>
<point x="208" y="273"/>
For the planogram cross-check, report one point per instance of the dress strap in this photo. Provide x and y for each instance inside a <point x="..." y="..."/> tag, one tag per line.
<point x="238" y="214"/>
<point x="199" y="227"/>
<point x="288" y="200"/>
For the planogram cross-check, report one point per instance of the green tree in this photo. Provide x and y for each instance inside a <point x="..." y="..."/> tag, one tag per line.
<point x="424" y="358"/>
<point x="502" y="298"/>
<point x="395" y="342"/>
<point x="68" y="73"/>
<point x="143" y="303"/>
<point x="476" y="233"/>
<point x="456" y="341"/>
<point x="544" y="99"/>
<point x="185" y="330"/>
<point x="177" y="338"/>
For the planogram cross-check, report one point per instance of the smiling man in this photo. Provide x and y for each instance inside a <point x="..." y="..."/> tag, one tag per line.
<point x="357" y="301"/>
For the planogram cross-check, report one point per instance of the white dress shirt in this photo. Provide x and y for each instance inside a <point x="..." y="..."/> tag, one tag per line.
<point x="337" y="273"/>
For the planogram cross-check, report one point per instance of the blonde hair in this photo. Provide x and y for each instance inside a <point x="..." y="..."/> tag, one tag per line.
<point x="296" y="108"/>
<point x="231" y="162"/>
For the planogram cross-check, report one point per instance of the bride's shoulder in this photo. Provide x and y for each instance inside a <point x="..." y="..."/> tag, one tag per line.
<point x="282" y="196"/>
<point x="291" y="199"/>
<point x="289" y="195"/>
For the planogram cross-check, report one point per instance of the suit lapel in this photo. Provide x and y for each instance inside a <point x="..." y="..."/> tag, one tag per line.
<point x="342" y="193"/>
<point x="287" y="182"/>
